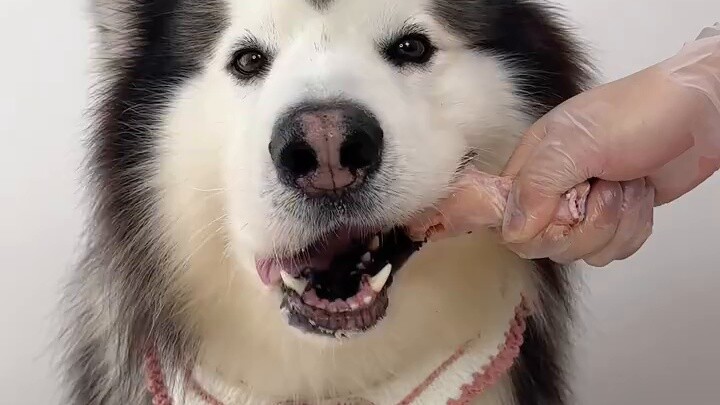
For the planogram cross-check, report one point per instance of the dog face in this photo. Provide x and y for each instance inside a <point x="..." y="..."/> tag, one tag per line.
<point x="253" y="162"/>
<point x="374" y="82"/>
<point x="322" y="127"/>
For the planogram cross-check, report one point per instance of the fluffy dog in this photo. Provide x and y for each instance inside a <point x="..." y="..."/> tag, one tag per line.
<point x="252" y="164"/>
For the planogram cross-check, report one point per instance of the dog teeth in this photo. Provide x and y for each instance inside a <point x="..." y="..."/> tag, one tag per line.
<point x="360" y="266"/>
<point x="378" y="282"/>
<point x="293" y="283"/>
<point x="374" y="243"/>
<point x="366" y="258"/>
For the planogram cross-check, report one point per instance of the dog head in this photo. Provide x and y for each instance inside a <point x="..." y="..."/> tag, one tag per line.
<point x="259" y="158"/>
<point x="324" y="126"/>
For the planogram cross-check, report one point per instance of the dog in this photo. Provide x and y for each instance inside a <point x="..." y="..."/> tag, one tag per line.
<point x="251" y="166"/>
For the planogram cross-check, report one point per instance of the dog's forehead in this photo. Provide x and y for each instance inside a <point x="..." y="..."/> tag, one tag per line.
<point x="279" y="20"/>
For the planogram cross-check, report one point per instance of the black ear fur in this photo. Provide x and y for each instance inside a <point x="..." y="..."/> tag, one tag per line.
<point x="530" y="38"/>
<point x="115" y="25"/>
<point x="553" y="64"/>
<point x="146" y="49"/>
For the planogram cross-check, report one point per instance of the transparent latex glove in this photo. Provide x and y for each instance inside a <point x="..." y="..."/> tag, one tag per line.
<point x="641" y="141"/>
<point x="478" y="200"/>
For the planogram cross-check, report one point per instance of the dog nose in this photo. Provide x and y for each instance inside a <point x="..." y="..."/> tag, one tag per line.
<point x="326" y="148"/>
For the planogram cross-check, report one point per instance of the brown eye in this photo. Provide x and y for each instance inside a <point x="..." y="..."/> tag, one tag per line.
<point x="249" y="63"/>
<point x="410" y="49"/>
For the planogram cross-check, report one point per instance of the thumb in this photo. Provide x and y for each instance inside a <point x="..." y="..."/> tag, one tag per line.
<point x="545" y="167"/>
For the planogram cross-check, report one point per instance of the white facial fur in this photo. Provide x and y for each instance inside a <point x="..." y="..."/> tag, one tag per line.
<point x="219" y="183"/>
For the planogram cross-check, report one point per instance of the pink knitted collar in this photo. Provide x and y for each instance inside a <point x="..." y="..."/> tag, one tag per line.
<point x="479" y="382"/>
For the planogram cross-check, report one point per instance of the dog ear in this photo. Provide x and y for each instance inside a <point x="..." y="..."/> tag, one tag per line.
<point x="172" y="28"/>
<point x="527" y="36"/>
<point x="542" y="42"/>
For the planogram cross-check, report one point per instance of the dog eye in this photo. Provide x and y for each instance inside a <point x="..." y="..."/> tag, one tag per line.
<point x="410" y="49"/>
<point x="249" y="63"/>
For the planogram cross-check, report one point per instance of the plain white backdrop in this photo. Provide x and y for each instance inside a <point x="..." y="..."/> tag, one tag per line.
<point x="650" y="324"/>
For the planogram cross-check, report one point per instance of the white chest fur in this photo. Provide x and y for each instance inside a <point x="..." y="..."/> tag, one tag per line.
<point x="450" y="313"/>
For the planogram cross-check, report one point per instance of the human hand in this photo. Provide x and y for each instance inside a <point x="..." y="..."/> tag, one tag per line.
<point x="649" y="138"/>
<point x="641" y="141"/>
<point x="478" y="200"/>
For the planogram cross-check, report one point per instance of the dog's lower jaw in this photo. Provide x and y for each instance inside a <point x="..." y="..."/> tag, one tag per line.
<point x="448" y="293"/>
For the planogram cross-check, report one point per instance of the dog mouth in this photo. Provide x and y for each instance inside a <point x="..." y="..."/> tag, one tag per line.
<point x="338" y="286"/>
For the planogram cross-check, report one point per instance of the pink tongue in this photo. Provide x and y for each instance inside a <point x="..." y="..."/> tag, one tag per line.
<point x="318" y="256"/>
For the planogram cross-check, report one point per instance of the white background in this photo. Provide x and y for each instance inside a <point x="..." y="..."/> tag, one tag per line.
<point x="651" y="323"/>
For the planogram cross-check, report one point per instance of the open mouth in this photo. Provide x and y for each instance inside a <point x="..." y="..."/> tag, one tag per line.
<point x="338" y="286"/>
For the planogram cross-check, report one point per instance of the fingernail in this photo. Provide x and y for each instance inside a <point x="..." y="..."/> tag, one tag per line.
<point x="514" y="222"/>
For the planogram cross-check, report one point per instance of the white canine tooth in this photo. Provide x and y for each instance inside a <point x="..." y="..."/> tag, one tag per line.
<point x="360" y="266"/>
<point x="374" y="243"/>
<point x="366" y="258"/>
<point x="378" y="282"/>
<point x="293" y="283"/>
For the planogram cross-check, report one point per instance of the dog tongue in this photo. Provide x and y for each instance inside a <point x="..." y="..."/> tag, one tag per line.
<point x="318" y="256"/>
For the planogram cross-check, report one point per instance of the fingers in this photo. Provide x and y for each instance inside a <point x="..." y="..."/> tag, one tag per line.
<point x="615" y="219"/>
<point x="550" y="171"/>
<point x="604" y="215"/>
<point x="532" y="138"/>
<point x="563" y="149"/>
<point x="635" y="225"/>
<point x="564" y="243"/>
<point x="617" y="224"/>
<point x="617" y="132"/>
<point x="478" y="201"/>
<point x="686" y="172"/>
<point x="660" y="124"/>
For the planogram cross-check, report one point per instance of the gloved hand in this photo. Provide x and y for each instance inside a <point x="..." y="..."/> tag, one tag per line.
<point x="641" y="141"/>
<point x="478" y="201"/>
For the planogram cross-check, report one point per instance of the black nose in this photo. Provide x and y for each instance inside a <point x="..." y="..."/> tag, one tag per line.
<point x="326" y="148"/>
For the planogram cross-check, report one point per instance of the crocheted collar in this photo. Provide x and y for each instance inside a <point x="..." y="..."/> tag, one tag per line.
<point x="460" y="378"/>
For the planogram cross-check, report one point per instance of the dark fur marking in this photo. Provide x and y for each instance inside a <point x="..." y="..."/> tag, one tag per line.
<point x="320" y="5"/>
<point x="530" y="38"/>
<point x="170" y="40"/>
<point x="539" y="374"/>
<point x="548" y="68"/>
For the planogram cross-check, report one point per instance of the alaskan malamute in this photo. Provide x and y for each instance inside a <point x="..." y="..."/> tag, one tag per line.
<point x="252" y="164"/>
